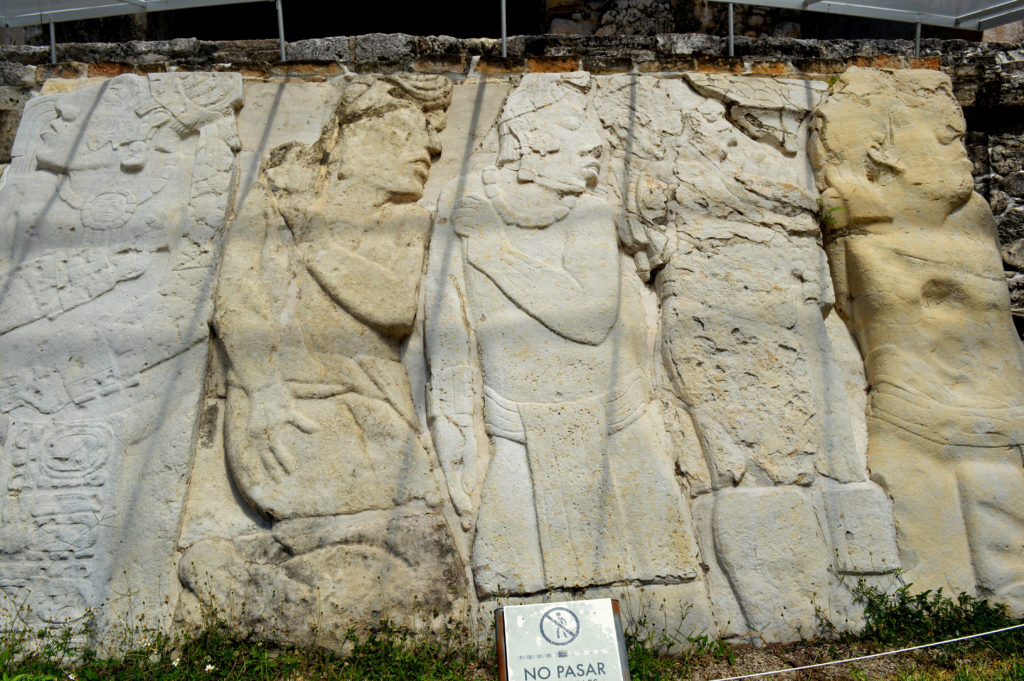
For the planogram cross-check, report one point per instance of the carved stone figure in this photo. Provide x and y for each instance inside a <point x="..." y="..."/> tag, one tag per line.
<point x="916" y="266"/>
<point x="721" y="222"/>
<point x="112" y="211"/>
<point x="318" y="398"/>
<point x="538" y="346"/>
<point x="319" y="287"/>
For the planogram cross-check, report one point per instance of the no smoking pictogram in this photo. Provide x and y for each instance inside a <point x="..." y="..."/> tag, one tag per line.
<point x="559" y="626"/>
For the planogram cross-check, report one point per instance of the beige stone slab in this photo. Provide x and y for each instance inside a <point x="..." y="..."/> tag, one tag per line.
<point x="282" y="111"/>
<point x="471" y="116"/>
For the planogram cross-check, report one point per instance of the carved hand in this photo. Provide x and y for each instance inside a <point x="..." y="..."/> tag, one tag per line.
<point x="271" y="410"/>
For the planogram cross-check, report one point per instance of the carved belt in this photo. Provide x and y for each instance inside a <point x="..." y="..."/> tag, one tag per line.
<point x="625" y="404"/>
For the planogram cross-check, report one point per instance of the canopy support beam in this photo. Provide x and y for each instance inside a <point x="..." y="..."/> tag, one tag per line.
<point x="732" y="40"/>
<point x="504" y="31"/>
<point x="280" y="29"/>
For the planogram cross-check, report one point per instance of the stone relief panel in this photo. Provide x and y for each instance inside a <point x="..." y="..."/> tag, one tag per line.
<point x="318" y="290"/>
<point x="719" y="212"/>
<point x="539" y="350"/>
<point x="112" y="211"/>
<point x="918" y="279"/>
<point x="628" y="370"/>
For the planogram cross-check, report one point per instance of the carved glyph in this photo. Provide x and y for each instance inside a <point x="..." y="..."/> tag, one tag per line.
<point x="917" y="273"/>
<point x="112" y="209"/>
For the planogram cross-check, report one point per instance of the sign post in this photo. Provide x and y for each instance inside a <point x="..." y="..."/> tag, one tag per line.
<point x="577" y="640"/>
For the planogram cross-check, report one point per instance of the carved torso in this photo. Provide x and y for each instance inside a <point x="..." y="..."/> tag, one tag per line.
<point x="933" y="313"/>
<point x="523" y="356"/>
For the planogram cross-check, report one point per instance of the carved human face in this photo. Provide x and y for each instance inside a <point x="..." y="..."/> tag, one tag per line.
<point x="571" y="161"/>
<point x="390" y="152"/>
<point x="934" y="168"/>
<point x="92" y="131"/>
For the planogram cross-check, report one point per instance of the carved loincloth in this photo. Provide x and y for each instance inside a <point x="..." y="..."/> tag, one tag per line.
<point x="608" y="507"/>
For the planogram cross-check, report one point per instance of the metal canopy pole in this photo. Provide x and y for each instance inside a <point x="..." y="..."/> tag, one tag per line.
<point x="53" y="44"/>
<point x="732" y="49"/>
<point x="504" y="32"/>
<point x="917" y="39"/>
<point x="280" y="28"/>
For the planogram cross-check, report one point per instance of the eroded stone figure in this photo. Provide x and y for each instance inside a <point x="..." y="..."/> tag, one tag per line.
<point x="915" y="261"/>
<point x="719" y="211"/>
<point x="318" y="397"/>
<point x="538" y="350"/>
<point x="112" y="213"/>
<point x="318" y="289"/>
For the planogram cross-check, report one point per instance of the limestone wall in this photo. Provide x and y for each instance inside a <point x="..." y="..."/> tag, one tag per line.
<point x="313" y="352"/>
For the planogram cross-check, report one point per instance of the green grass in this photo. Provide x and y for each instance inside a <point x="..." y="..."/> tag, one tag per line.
<point x="897" y="619"/>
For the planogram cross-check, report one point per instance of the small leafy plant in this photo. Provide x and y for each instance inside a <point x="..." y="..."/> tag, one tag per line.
<point x="903" y="618"/>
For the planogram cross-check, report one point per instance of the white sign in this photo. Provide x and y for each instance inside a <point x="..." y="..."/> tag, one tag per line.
<point x="576" y="640"/>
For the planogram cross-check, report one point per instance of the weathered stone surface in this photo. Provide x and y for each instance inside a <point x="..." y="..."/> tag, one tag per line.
<point x="689" y="43"/>
<point x="320" y="49"/>
<point x="770" y="544"/>
<point x="313" y="581"/>
<point x="383" y="47"/>
<point x="917" y="274"/>
<point x="318" y="288"/>
<point x="12" y="101"/>
<point x="623" y="374"/>
<point x="471" y="115"/>
<point x="563" y="400"/>
<point x="760" y="379"/>
<point x="768" y="112"/>
<point x="113" y="210"/>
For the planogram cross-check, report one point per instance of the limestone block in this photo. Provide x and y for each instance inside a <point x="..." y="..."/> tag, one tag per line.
<point x="724" y="224"/>
<point x="317" y="401"/>
<point x="472" y="114"/>
<point x="770" y="545"/>
<point x="113" y="207"/>
<point x="538" y="344"/>
<point x="214" y="507"/>
<point x="860" y="528"/>
<point x="766" y="110"/>
<point x="720" y="217"/>
<point x="320" y="49"/>
<point x="918" y="279"/>
<point x="313" y="580"/>
<point x="277" y="113"/>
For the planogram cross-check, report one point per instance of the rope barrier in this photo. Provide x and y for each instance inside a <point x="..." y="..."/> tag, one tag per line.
<point x="868" y="657"/>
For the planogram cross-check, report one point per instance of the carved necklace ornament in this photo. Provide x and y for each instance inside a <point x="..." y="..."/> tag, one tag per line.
<point x="539" y="216"/>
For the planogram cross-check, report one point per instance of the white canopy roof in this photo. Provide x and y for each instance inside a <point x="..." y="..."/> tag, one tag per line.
<point x="31" y="12"/>
<point x="975" y="15"/>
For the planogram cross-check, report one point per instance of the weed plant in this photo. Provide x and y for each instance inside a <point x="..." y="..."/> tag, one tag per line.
<point x="218" y="653"/>
<point x="902" y="618"/>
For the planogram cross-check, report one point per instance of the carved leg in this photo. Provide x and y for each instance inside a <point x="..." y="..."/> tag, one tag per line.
<point x="992" y="498"/>
<point x="506" y="551"/>
<point x="930" y="527"/>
